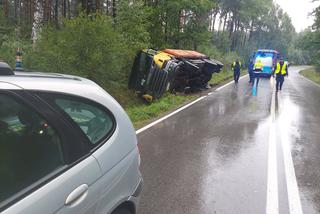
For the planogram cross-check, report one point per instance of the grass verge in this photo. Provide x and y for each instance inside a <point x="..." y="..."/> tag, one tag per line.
<point x="311" y="74"/>
<point x="141" y="113"/>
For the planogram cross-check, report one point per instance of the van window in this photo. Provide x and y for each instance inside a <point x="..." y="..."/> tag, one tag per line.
<point x="30" y="148"/>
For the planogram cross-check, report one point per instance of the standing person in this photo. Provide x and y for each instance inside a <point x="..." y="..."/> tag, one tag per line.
<point x="236" y="67"/>
<point x="257" y="69"/>
<point x="281" y="71"/>
<point x="250" y="71"/>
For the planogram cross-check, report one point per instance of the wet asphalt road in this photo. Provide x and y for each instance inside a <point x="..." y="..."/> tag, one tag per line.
<point x="217" y="156"/>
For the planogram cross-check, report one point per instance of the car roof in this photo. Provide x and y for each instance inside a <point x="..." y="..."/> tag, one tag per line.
<point x="53" y="82"/>
<point x="268" y="51"/>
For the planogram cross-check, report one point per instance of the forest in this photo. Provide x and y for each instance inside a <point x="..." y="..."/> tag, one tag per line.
<point x="98" y="39"/>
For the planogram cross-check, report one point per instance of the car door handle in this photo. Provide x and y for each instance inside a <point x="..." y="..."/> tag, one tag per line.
<point x="77" y="195"/>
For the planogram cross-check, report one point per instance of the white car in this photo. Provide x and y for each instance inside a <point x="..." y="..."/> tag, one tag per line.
<point x="66" y="146"/>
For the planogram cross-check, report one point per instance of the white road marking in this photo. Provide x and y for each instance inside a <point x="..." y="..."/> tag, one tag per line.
<point x="272" y="206"/>
<point x="169" y="115"/>
<point x="292" y="185"/>
<point x="291" y="180"/>
<point x="229" y="83"/>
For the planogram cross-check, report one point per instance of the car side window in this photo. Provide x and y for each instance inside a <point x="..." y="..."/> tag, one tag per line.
<point x="30" y="148"/>
<point x="94" y="121"/>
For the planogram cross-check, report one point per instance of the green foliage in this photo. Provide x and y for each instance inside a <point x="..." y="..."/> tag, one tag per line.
<point x="308" y="43"/>
<point x="11" y="39"/>
<point x="299" y="57"/>
<point x="179" y="24"/>
<point x="8" y="51"/>
<point x="88" y="46"/>
<point x="221" y="41"/>
<point x="133" y="24"/>
<point x="211" y="51"/>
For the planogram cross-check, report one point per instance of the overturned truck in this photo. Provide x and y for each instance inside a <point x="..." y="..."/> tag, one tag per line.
<point x="155" y="72"/>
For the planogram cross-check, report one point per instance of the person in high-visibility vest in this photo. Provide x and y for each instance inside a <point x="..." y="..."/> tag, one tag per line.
<point x="257" y="69"/>
<point x="281" y="70"/>
<point x="236" y="67"/>
<point x="258" y="66"/>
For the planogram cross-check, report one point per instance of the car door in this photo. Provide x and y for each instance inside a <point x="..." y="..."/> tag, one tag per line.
<point x="43" y="164"/>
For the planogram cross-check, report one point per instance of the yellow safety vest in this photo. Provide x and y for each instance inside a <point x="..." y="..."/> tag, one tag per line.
<point x="283" y="70"/>
<point x="258" y="65"/>
<point x="234" y="64"/>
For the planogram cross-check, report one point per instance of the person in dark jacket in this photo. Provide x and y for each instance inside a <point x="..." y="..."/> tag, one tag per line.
<point x="236" y="67"/>
<point x="250" y="71"/>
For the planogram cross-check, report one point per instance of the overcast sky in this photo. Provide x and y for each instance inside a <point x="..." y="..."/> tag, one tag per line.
<point x="299" y="11"/>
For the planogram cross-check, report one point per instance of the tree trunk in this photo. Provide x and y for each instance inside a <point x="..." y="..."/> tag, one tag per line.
<point x="5" y="8"/>
<point x="235" y="38"/>
<point x="214" y="19"/>
<point x="32" y="10"/>
<point x="245" y="38"/>
<point x="69" y="9"/>
<point x="225" y="23"/>
<point x="84" y="5"/>
<point x="220" y="24"/>
<point x="98" y="5"/>
<point x="195" y="45"/>
<point x="251" y="30"/>
<point x="56" y="13"/>
<point x="232" y="26"/>
<point x="46" y="10"/>
<point x="64" y="8"/>
<point x="74" y="8"/>
<point x="107" y="7"/>
<point x="16" y="9"/>
<point x="37" y="21"/>
<point x="114" y="10"/>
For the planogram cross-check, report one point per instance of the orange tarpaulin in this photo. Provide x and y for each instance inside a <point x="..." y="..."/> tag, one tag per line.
<point x="184" y="53"/>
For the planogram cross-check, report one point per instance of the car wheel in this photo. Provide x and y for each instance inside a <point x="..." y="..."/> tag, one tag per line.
<point x="121" y="210"/>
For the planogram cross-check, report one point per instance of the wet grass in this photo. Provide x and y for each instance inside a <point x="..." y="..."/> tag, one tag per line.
<point x="311" y="74"/>
<point x="143" y="113"/>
